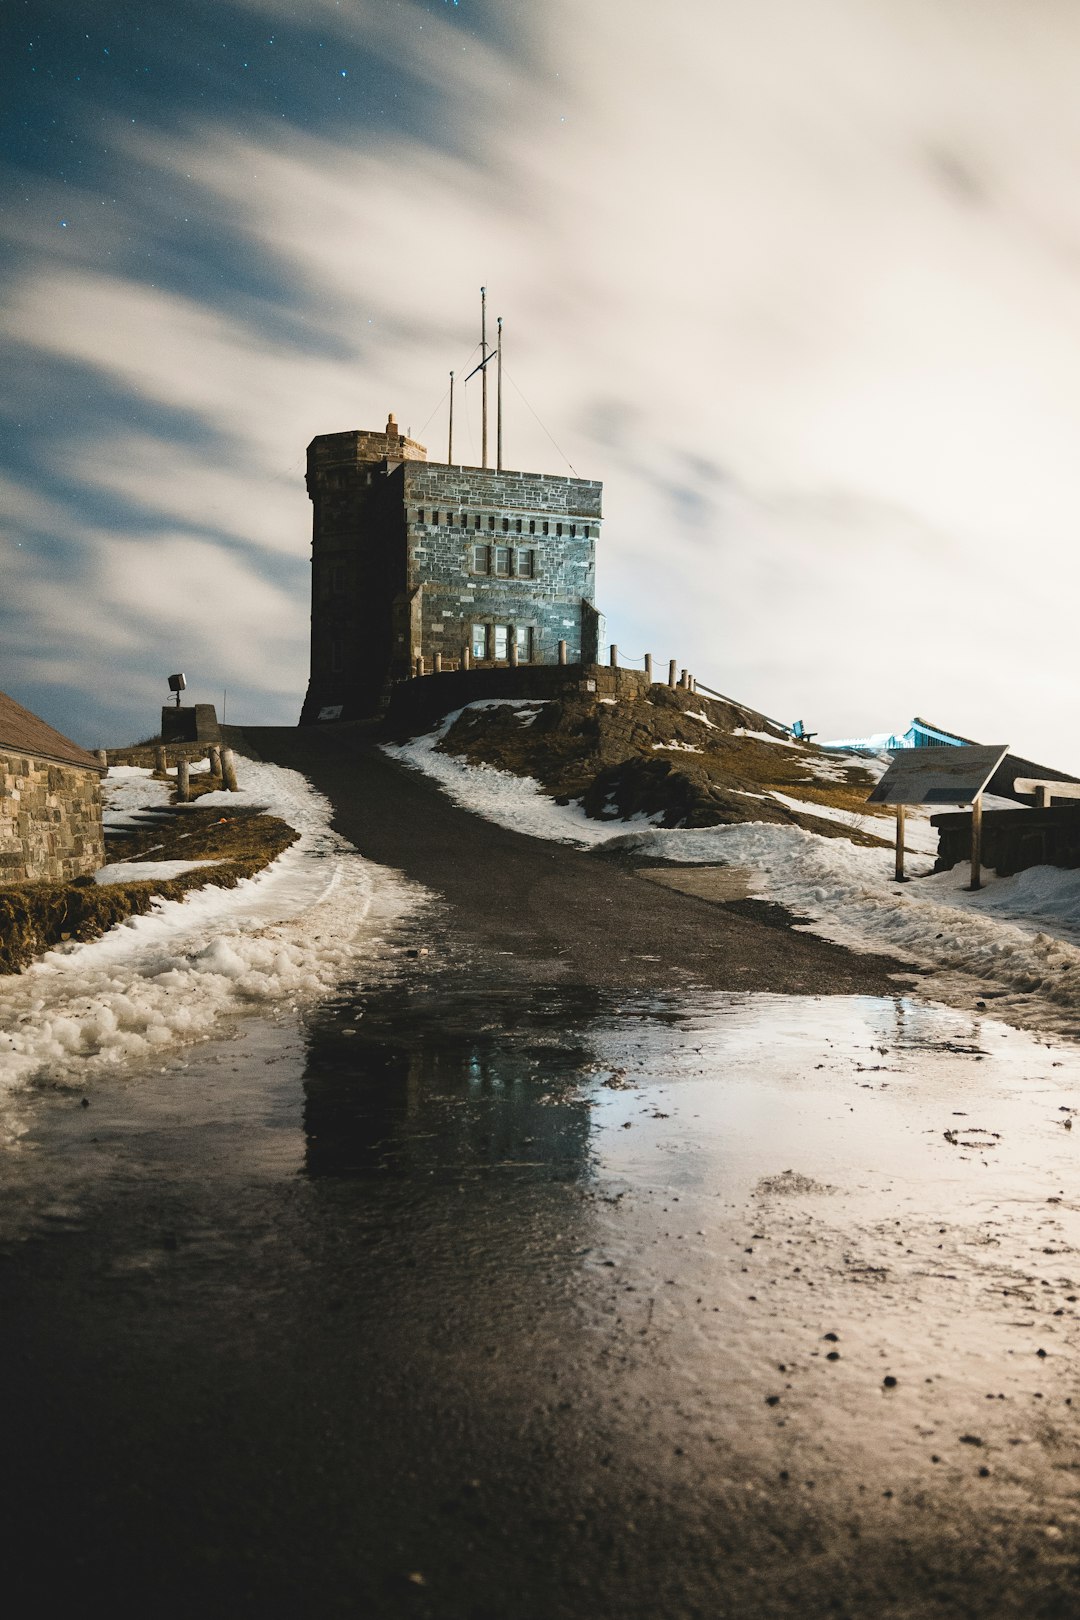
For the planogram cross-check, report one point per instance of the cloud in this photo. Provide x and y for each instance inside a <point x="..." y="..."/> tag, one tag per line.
<point x="799" y="283"/>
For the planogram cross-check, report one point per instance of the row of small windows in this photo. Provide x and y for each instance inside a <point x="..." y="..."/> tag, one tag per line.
<point x="466" y="520"/>
<point x="504" y="562"/>
<point x="493" y="641"/>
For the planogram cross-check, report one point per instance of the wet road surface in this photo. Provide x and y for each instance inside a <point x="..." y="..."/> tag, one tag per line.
<point x="476" y="1293"/>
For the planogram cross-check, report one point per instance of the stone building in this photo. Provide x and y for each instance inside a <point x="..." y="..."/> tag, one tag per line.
<point x="418" y="560"/>
<point x="50" y="802"/>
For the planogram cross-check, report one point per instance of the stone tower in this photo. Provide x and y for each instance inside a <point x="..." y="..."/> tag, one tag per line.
<point x="413" y="559"/>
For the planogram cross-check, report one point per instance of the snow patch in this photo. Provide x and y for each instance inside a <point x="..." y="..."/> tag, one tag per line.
<point x="278" y="940"/>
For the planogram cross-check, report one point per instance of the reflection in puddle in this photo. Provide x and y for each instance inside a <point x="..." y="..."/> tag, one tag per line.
<point x="450" y="1081"/>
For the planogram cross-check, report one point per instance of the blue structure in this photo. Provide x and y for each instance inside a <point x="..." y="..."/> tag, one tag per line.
<point x="920" y="734"/>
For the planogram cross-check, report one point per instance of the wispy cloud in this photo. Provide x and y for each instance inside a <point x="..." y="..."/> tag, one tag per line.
<point x="799" y="283"/>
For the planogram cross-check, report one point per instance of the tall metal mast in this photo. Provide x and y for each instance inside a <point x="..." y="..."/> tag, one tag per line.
<point x="483" y="373"/>
<point x="450" y="439"/>
<point x="498" y="404"/>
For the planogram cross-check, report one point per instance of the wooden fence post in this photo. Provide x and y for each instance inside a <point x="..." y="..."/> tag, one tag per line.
<point x="228" y="770"/>
<point x="102" y="758"/>
<point x="562" y="652"/>
<point x="161" y="762"/>
<point x="466" y="656"/>
<point x="614" y="660"/>
<point x="438" y="663"/>
<point x="214" y="755"/>
<point x="183" y="782"/>
<point x="512" y="652"/>
<point x="671" y="673"/>
<point x="900" y="818"/>
<point x="976" y="842"/>
<point x="418" y="668"/>
<point x="682" y="679"/>
<point x="648" y="668"/>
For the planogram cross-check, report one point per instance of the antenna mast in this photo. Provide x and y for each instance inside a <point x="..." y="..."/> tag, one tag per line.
<point x="483" y="373"/>
<point x="498" y="404"/>
<point x="450" y="439"/>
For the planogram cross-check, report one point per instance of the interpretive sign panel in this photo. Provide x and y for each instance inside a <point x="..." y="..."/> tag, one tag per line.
<point x="938" y="775"/>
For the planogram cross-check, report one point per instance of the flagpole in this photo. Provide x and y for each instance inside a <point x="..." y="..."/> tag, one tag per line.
<point x="450" y="439"/>
<point x="498" y="404"/>
<point x="483" y="373"/>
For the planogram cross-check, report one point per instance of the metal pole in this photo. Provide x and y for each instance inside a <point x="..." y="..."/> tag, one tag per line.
<point x="976" y="842"/>
<point x="483" y="375"/>
<point x="498" y="404"/>
<point x="450" y="440"/>
<point x="901" y="816"/>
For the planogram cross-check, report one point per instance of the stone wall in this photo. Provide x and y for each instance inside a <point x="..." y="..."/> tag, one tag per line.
<point x="418" y="705"/>
<point x="1012" y="840"/>
<point x="507" y="549"/>
<point x="50" y="821"/>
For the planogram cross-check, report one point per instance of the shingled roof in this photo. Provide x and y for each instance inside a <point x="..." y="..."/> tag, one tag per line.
<point x="23" y="733"/>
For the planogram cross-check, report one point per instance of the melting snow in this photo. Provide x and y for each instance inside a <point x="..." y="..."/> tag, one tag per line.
<point x="277" y="940"/>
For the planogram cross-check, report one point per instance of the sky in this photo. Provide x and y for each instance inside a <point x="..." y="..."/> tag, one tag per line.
<point x="799" y="280"/>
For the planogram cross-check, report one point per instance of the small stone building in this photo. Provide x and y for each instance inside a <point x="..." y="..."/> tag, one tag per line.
<point x="50" y="802"/>
<point x="417" y="560"/>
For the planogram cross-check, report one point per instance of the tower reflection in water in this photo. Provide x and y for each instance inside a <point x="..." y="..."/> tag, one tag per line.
<point x="451" y="1081"/>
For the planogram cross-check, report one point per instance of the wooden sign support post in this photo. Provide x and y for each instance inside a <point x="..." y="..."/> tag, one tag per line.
<point x="901" y="817"/>
<point x="976" y="842"/>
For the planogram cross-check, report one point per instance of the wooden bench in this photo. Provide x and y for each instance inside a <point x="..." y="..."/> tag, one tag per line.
<point x="1045" y="789"/>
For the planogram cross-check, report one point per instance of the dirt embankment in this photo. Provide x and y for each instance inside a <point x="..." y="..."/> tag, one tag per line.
<point x="690" y="760"/>
<point x="35" y="916"/>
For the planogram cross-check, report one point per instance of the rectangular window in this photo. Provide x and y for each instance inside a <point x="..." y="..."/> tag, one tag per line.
<point x="532" y="525"/>
<point x="476" y="521"/>
<point x="545" y="528"/>
<point x="517" y="526"/>
<point x="435" y="520"/>
<point x="481" y="559"/>
<point x="502" y="561"/>
<point x="491" y="522"/>
<point x="420" y="515"/>
<point x="523" y="634"/>
<point x="506" y="525"/>
<point x="500" y="638"/>
<point x="573" y="531"/>
<point x="558" y="528"/>
<point x="479" y="641"/>
<point x="525" y="564"/>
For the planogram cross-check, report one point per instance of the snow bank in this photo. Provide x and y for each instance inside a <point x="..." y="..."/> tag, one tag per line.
<point x="140" y="871"/>
<point x="517" y="802"/>
<point x="277" y="940"/>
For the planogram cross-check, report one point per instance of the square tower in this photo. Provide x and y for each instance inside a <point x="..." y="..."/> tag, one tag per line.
<point x="413" y="559"/>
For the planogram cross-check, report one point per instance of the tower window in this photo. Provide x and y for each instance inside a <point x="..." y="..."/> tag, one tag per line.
<point x="481" y="559"/>
<point x="502" y="561"/>
<point x="525" y="561"/>
<point x="545" y="527"/>
<point x="523" y="638"/>
<point x="573" y="531"/>
<point x="420" y="515"/>
<point x="435" y="520"/>
<point x="558" y="528"/>
<point x="517" y="526"/>
<point x="506" y="525"/>
<point x="491" y="522"/>
<point x="476" y="521"/>
<point x="500" y="638"/>
<point x="479" y="640"/>
<point x="532" y="525"/>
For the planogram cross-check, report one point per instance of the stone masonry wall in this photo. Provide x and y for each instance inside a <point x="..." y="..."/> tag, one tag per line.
<point x="550" y="524"/>
<point x="50" y="821"/>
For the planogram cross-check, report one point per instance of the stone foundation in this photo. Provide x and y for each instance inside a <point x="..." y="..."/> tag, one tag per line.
<point x="50" y="821"/>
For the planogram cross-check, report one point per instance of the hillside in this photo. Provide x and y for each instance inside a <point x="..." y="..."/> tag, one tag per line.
<point x="677" y="757"/>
